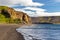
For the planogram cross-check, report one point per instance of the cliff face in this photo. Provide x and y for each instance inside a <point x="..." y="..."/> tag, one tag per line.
<point x="14" y="15"/>
<point x="50" y="19"/>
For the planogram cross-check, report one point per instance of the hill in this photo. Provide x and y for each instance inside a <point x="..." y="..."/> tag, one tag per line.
<point x="46" y="19"/>
<point x="9" y="15"/>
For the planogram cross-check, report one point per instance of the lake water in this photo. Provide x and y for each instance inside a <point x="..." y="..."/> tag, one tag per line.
<point x="40" y="32"/>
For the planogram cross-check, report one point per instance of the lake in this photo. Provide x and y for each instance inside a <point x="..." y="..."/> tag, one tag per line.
<point x="40" y="32"/>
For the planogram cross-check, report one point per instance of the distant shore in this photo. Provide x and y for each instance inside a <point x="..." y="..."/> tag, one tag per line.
<point x="8" y="32"/>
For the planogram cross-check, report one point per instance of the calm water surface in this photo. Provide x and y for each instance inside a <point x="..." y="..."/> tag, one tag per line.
<point x="40" y="32"/>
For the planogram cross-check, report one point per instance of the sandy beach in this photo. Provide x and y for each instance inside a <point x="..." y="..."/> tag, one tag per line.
<point x="8" y="32"/>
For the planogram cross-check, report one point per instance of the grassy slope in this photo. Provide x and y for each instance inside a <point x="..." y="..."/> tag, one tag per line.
<point x="3" y="7"/>
<point x="3" y="19"/>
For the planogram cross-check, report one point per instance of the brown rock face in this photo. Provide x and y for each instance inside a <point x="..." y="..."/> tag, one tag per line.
<point x="11" y="13"/>
<point x="47" y="19"/>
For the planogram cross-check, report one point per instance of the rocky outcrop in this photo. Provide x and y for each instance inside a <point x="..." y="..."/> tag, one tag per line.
<point x="14" y="15"/>
<point x="50" y="19"/>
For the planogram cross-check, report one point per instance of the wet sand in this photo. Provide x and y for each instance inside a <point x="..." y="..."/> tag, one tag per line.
<point x="8" y="32"/>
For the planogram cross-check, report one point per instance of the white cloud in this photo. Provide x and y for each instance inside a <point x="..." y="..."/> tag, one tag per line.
<point x="35" y="9"/>
<point x="17" y="9"/>
<point x="39" y="13"/>
<point x="30" y="13"/>
<point x="30" y="3"/>
<point x="47" y="14"/>
<point x="20" y="2"/>
<point x="56" y="0"/>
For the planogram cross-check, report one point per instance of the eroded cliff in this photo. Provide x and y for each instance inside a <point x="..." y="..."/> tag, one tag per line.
<point x="14" y="16"/>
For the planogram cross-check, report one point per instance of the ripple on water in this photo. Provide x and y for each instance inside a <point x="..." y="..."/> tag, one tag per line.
<point x="41" y="31"/>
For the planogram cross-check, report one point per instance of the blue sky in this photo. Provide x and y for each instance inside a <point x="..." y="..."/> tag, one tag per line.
<point x="34" y="7"/>
<point x="50" y="5"/>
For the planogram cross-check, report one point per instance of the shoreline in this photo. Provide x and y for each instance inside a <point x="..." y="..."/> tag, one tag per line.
<point x="8" y="32"/>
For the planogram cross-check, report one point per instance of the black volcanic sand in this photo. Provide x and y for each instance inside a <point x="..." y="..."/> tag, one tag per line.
<point x="8" y="32"/>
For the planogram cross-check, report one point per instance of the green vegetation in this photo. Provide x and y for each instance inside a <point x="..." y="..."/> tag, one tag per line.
<point x="17" y="21"/>
<point x="3" y="19"/>
<point x="5" y="16"/>
<point x="3" y="7"/>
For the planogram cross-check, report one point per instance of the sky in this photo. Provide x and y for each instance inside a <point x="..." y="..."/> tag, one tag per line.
<point x="34" y="8"/>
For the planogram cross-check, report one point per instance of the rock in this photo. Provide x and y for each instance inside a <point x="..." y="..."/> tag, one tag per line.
<point x="47" y="19"/>
<point x="12" y="14"/>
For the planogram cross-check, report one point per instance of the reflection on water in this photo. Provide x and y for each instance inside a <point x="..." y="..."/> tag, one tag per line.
<point x="41" y="32"/>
